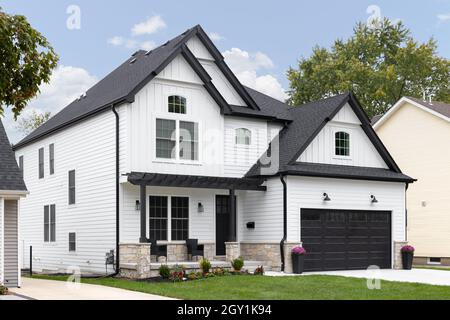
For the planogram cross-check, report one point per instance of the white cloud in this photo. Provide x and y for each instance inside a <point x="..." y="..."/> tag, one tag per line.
<point x="118" y="41"/>
<point x="443" y="17"/>
<point x="247" y="68"/>
<point x="66" y="84"/>
<point x="214" y="36"/>
<point x="150" y="26"/>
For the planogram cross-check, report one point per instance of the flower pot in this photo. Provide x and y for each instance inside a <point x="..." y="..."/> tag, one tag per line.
<point x="298" y="263"/>
<point x="407" y="260"/>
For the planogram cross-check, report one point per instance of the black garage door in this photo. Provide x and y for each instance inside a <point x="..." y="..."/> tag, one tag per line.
<point x="346" y="239"/>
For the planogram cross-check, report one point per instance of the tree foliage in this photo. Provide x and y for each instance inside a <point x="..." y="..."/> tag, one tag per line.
<point x="27" y="123"/>
<point x="379" y="64"/>
<point x="27" y="60"/>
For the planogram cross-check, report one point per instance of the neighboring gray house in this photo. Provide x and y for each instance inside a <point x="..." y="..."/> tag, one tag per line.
<point x="12" y="188"/>
<point x="164" y="149"/>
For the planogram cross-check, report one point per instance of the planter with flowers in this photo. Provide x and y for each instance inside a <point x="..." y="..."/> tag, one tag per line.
<point x="298" y="259"/>
<point x="407" y="257"/>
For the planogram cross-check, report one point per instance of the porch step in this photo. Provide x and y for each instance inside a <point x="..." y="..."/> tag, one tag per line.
<point x="220" y="258"/>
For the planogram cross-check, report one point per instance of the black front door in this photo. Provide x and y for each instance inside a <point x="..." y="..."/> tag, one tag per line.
<point x="222" y="222"/>
<point x="345" y="239"/>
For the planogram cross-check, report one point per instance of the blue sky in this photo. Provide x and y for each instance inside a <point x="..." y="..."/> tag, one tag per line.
<point x="267" y="36"/>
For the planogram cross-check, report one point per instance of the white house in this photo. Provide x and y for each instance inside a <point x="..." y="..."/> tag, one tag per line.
<point x="157" y="150"/>
<point x="12" y="188"/>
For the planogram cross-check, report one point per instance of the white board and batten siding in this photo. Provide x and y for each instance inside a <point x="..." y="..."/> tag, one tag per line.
<point x="88" y="148"/>
<point x="362" y="151"/>
<point x="1" y="240"/>
<point x="11" y="277"/>
<point x="307" y="193"/>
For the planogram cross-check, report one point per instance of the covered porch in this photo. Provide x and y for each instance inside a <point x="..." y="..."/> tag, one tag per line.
<point x="174" y="208"/>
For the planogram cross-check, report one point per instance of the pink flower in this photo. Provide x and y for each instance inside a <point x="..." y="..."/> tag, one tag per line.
<point x="407" y="248"/>
<point x="298" y="250"/>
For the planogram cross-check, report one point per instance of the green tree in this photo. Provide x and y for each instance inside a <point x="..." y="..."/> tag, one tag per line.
<point x="27" y="123"/>
<point x="380" y="65"/>
<point x="27" y="60"/>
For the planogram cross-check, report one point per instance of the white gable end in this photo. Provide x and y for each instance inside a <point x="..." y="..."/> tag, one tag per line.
<point x="362" y="152"/>
<point x="179" y="70"/>
<point x="218" y="78"/>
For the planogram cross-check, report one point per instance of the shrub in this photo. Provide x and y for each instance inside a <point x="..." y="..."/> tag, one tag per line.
<point x="237" y="264"/>
<point x="164" y="271"/>
<point x="177" y="273"/>
<point x="192" y="275"/>
<point x="205" y="265"/>
<point x="199" y="275"/>
<point x="218" y="271"/>
<point x="3" y="290"/>
<point x="407" y="248"/>
<point x="259" y="271"/>
<point x="298" y="250"/>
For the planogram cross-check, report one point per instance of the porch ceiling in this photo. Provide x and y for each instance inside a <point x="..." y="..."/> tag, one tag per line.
<point x="188" y="181"/>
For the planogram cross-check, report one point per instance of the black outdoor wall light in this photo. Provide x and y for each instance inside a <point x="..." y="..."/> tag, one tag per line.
<point x="200" y="207"/>
<point x="373" y="199"/>
<point x="251" y="225"/>
<point x="326" y="197"/>
<point x="137" y="205"/>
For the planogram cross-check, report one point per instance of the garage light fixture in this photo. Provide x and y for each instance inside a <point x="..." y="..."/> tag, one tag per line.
<point x="373" y="199"/>
<point x="326" y="197"/>
<point x="137" y="205"/>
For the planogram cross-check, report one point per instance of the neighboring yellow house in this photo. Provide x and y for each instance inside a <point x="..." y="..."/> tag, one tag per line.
<point x="417" y="134"/>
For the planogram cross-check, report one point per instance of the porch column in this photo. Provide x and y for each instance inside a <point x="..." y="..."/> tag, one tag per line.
<point x="143" y="201"/>
<point x="232" y="230"/>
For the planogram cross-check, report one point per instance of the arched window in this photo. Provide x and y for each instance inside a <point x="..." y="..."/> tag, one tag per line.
<point x="342" y="143"/>
<point x="243" y="136"/>
<point x="177" y="104"/>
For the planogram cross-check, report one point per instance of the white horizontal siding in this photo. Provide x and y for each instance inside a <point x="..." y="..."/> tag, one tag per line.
<point x="1" y="239"/>
<point x="239" y="158"/>
<point x="304" y="192"/>
<point x="201" y="224"/>
<point x="88" y="148"/>
<point x="265" y="208"/>
<point x="362" y="151"/>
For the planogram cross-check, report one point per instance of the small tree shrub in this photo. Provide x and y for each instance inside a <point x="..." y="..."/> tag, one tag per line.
<point x="164" y="271"/>
<point x="205" y="265"/>
<point x="237" y="264"/>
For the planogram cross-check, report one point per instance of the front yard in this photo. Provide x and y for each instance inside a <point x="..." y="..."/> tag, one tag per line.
<point x="311" y="287"/>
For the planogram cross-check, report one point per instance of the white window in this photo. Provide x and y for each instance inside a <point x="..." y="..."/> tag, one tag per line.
<point x="173" y="135"/>
<point x="243" y="136"/>
<point x="177" y="104"/>
<point x="50" y="223"/>
<point x="342" y="143"/>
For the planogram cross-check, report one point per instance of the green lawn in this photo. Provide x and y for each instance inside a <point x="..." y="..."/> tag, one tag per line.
<point x="278" y="288"/>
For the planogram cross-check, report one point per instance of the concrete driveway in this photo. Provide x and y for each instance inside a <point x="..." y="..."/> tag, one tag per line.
<point x="60" y="290"/>
<point x="427" y="276"/>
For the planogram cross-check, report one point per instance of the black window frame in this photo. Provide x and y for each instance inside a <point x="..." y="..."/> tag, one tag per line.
<point x="51" y="158"/>
<point x="158" y="207"/>
<point x="179" y="218"/>
<point x="72" y="241"/>
<point x="72" y="187"/>
<point x="41" y="163"/>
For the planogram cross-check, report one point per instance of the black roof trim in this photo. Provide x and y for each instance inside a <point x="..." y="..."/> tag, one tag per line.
<point x="190" y="181"/>
<point x="346" y="176"/>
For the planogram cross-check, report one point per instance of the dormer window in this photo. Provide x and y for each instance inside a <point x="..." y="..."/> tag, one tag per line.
<point x="243" y="136"/>
<point x="177" y="104"/>
<point x="342" y="143"/>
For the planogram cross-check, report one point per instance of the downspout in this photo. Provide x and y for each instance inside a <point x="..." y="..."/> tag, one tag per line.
<point x="113" y="108"/>
<point x="284" y="221"/>
<point x="406" y="212"/>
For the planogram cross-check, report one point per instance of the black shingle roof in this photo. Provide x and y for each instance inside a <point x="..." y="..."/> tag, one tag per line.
<point x="307" y="121"/>
<point x="122" y="84"/>
<point x="10" y="175"/>
<point x="440" y="107"/>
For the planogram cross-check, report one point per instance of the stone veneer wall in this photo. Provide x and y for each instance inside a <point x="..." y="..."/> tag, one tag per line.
<point x="232" y="250"/>
<point x="266" y="252"/>
<point x="397" y="254"/>
<point x="134" y="260"/>
<point x="288" y="256"/>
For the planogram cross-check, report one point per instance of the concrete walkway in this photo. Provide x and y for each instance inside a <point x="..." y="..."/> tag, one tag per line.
<point x="427" y="276"/>
<point x="60" y="290"/>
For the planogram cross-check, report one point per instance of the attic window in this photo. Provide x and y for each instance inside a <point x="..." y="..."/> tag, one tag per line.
<point x="342" y="143"/>
<point x="243" y="136"/>
<point x="177" y="104"/>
